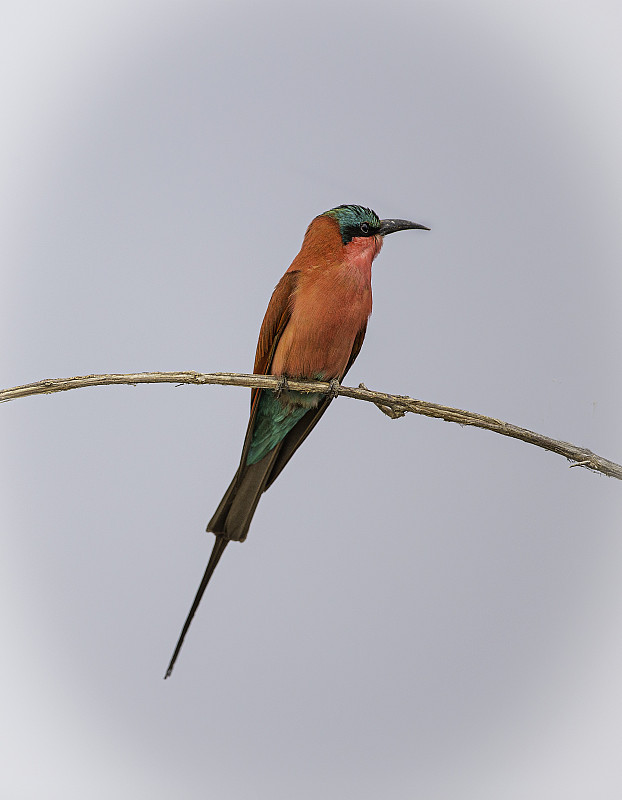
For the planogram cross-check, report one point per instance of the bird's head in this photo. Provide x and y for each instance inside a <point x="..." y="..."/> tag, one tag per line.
<point x="356" y="222"/>
<point x="347" y="234"/>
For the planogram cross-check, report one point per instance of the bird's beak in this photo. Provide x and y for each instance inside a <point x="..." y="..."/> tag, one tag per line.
<point x="392" y="225"/>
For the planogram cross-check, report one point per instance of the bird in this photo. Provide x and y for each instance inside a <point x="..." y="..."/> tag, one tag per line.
<point x="313" y="329"/>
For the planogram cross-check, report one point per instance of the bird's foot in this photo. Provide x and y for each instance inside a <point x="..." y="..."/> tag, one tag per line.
<point x="334" y="388"/>
<point x="282" y="386"/>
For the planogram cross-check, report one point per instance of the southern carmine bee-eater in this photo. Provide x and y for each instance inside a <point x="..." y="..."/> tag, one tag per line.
<point x="313" y="330"/>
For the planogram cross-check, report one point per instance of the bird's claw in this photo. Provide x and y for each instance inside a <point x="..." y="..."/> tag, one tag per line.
<point x="334" y="388"/>
<point x="281" y="386"/>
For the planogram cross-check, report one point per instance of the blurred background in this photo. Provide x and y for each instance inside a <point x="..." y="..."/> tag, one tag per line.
<point x="420" y="610"/>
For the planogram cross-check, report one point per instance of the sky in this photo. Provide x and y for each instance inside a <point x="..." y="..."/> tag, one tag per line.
<point x="420" y="609"/>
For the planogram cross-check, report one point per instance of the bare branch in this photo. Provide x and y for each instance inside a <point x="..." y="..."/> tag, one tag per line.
<point x="392" y="405"/>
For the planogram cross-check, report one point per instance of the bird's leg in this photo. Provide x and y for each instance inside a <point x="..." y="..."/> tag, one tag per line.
<point x="282" y="386"/>
<point x="334" y="388"/>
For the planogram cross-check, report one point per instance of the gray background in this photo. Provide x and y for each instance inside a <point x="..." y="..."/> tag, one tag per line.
<point x="420" y="610"/>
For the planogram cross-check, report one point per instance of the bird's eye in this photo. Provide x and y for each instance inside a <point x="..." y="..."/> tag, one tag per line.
<point x="364" y="226"/>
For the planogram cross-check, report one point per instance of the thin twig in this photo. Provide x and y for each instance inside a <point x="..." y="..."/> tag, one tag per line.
<point x="392" y="405"/>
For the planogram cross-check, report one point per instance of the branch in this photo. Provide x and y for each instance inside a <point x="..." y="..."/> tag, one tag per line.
<point x="392" y="405"/>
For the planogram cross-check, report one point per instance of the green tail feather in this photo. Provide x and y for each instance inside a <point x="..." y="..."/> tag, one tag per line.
<point x="276" y="416"/>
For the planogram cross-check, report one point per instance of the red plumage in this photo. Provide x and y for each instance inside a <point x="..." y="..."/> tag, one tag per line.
<point x="313" y="328"/>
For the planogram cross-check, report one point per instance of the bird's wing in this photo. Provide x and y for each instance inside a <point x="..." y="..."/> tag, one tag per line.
<point x="275" y="319"/>
<point x="274" y="322"/>
<point x="303" y="428"/>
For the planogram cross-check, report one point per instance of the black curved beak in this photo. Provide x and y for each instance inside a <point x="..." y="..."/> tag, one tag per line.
<point x="392" y="225"/>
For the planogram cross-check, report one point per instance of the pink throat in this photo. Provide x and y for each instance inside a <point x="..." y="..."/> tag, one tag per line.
<point x="360" y="253"/>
